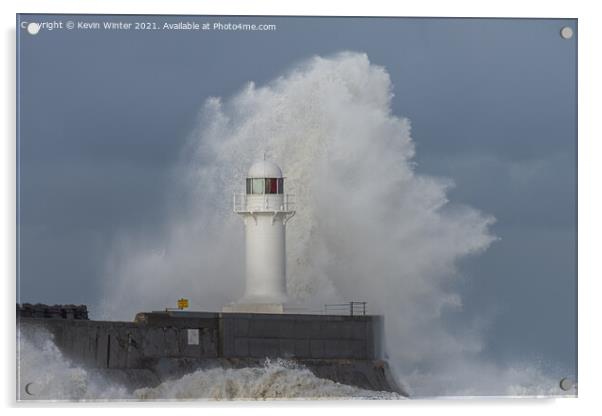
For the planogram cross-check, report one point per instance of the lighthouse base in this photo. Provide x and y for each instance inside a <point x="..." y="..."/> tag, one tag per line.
<point x="254" y="308"/>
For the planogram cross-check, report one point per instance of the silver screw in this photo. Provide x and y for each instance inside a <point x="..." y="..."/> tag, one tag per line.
<point x="566" y="32"/>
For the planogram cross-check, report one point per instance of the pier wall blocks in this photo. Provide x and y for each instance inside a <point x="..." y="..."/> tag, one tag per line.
<point x="106" y="344"/>
<point x="158" y="345"/>
<point x="299" y="336"/>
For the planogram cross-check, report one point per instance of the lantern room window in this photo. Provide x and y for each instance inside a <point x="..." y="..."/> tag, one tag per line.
<point x="271" y="186"/>
<point x="259" y="186"/>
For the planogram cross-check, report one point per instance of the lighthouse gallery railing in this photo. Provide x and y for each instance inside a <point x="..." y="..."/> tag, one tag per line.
<point x="243" y="202"/>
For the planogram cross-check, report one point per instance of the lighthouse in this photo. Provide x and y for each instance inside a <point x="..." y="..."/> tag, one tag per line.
<point x="265" y="209"/>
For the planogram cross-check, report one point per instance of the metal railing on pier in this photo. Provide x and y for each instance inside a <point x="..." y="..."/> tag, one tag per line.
<point x="351" y="308"/>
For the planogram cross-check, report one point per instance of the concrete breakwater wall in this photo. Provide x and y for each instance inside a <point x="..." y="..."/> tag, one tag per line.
<point x="160" y="345"/>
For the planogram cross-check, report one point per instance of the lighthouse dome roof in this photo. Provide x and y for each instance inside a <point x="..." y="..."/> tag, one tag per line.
<point x="264" y="169"/>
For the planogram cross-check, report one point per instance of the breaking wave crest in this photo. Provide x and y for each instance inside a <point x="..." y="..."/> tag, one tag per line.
<point x="277" y="379"/>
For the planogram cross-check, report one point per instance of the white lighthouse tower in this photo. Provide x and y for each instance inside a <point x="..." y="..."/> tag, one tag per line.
<point x="265" y="209"/>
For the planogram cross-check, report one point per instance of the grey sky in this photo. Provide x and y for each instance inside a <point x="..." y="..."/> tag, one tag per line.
<point x="104" y="116"/>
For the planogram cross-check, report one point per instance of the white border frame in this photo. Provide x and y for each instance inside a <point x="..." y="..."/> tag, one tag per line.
<point x="589" y="207"/>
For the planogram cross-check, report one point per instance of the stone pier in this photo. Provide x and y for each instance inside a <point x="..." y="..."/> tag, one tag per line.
<point x="160" y="345"/>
